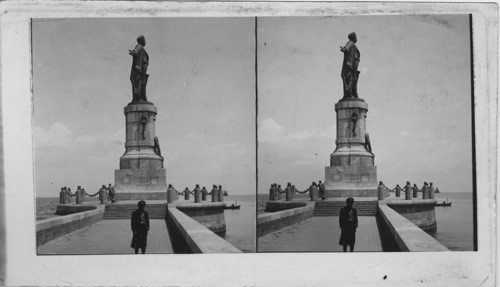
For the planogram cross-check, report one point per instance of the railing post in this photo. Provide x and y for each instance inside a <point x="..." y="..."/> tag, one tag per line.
<point x="408" y="191"/>
<point x="288" y="194"/>
<point x="221" y="194"/>
<point x="62" y="196"/>
<point x="425" y="191"/>
<point x="78" y="195"/>
<point x="197" y="196"/>
<point x="170" y="195"/>
<point x="381" y="195"/>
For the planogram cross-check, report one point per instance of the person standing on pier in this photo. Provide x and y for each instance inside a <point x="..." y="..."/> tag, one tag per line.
<point x="348" y="220"/>
<point x="111" y="191"/>
<point x="139" y="222"/>
<point x="322" y="191"/>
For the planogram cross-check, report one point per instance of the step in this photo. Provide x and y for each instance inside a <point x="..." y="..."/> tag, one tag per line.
<point x="124" y="211"/>
<point x="332" y="208"/>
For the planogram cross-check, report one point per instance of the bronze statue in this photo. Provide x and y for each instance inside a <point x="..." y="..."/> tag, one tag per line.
<point x="138" y="76"/>
<point x="350" y="73"/>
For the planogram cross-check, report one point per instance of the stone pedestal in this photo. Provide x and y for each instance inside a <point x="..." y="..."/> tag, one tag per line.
<point x="141" y="174"/>
<point x="352" y="172"/>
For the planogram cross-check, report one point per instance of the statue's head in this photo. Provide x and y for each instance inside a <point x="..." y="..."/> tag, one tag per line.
<point x="352" y="37"/>
<point x="141" y="40"/>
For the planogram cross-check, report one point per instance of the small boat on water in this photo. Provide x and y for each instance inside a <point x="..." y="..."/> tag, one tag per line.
<point x="232" y="206"/>
<point x="444" y="203"/>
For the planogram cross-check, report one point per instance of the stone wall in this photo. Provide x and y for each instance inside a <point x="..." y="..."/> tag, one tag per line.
<point x="419" y="211"/>
<point x="272" y="206"/>
<point x="272" y="221"/>
<point x="209" y="214"/>
<point x="403" y="234"/>
<point x="52" y="228"/>
<point x="70" y="208"/>
<point x="190" y="236"/>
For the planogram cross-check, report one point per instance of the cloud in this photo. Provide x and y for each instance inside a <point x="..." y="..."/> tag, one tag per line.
<point x="57" y="135"/>
<point x="270" y="131"/>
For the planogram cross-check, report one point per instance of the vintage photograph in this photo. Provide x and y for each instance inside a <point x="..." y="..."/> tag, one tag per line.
<point x="365" y="134"/>
<point x="144" y="135"/>
<point x="164" y="143"/>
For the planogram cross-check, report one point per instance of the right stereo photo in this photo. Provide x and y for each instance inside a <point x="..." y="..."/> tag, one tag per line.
<point x="365" y="134"/>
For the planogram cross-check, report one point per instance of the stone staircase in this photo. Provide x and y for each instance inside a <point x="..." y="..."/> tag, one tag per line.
<point x="332" y="208"/>
<point x="124" y="211"/>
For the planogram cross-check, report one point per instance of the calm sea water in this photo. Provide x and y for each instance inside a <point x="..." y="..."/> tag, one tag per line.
<point x="240" y="224"/>
<point x="455" y="225"/>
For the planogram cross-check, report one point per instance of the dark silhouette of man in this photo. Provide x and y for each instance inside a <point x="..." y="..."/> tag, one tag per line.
<point x="139" y="222"/>
<point x="348" y="220"/>
<point x="111" y="191"/>
<point x="322" y="191"/>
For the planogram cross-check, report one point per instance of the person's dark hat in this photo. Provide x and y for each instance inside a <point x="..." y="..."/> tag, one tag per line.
<point x="350" y="199"/>
<point x="141" y="203"/>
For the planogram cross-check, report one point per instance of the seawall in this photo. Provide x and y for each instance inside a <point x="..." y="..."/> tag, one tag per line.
<point x="52" y="228"/>
<point x="190" y="236"/>
<point x="272" y="221"/>
<point x="400" y="234"/>
<point x="419" y="211"/>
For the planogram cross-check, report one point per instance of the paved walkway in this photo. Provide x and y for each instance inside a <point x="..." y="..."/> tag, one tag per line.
<point x="320" y="234"/>
<point x="108" y="237"/>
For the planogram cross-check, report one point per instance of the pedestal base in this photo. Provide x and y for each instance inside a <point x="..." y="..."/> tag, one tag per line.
<point x="351" y="181"/>
<point x="141" y="181"/>
<point x="351" y="192"/>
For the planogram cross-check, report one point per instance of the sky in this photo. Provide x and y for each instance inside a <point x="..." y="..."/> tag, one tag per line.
<point x="415" y="78"/>
<point x="202" y="80"/>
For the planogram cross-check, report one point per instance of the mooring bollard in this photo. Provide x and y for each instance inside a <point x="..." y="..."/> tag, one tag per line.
<point x="103" y="196"/>
<point x="408" y="191"/>
<point x="432" y="191"/>
<point x="78" y="195"/>
<point x="381" y="191"/>
<point x="186" y="194"/>
<point x="313" y="193"/>
<point x="215" y="195"/>
<point x="221" y="194"/>
<point x="288" y="194"/>
<point x="170" y="195"/>
<point x="398" y="191"/>
<point x="271" y="193"/>
<point x="197" y="196"/>
<point x="204" y="194"/>
<point x="62" y="197"/>
<point x="425" y="192"/>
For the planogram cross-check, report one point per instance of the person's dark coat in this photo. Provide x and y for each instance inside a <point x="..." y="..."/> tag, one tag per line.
<point x="348" y="235"/>
<point x="322" y="190"/>
<point x="139" y="222"/>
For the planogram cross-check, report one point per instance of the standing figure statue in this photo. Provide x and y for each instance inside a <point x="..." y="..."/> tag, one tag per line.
<point x="138" y="76"/>
<point x="350" y="73"/>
